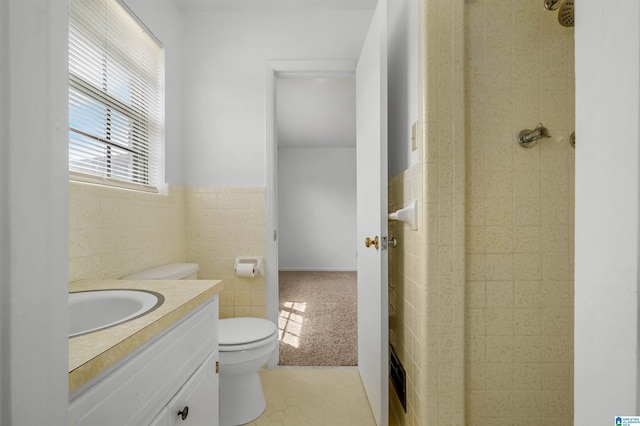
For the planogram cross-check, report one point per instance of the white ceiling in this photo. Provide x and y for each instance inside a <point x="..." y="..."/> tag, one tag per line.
<point x="316" y="112"/>
<point x="277" y="4"/>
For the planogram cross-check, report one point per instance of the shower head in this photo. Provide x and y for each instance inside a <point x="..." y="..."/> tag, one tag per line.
<point x="565" y="14"/>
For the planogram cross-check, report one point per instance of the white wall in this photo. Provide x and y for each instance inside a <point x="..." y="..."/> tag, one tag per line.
<point x="317" y="209"/>
<point x="33" y="212"/>
<point x="403" y="82"/>
<point x="607" y="211"/>
<point x="226" y="53"/>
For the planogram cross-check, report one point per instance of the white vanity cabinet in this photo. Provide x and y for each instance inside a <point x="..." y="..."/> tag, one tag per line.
<point x="176" y="369"/>
<point x="193" y="404"/>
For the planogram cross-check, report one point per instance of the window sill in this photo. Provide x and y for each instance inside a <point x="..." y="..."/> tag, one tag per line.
<point x="114" y="183"/>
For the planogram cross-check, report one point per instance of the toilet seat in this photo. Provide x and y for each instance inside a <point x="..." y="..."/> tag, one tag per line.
<point x="239" y="334"/>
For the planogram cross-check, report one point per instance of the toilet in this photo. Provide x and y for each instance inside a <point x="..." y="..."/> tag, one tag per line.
<point x="171" y="271"/>
<point x="245" y="344"/>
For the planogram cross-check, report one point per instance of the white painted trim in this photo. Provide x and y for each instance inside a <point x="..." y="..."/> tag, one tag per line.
<point x="607" y="206"/>
<point x="312" y="68"/>
<point x="34" y="212"/>
<point x="279" y="5"/>
<point x="271" y="195"/>
<point x="284" y="69"/>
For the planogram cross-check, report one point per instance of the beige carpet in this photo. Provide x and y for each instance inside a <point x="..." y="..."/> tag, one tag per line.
<point x="318" y="319"/>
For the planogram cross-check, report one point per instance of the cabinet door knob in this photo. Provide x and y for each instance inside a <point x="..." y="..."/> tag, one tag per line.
<point x="184" y="412"/>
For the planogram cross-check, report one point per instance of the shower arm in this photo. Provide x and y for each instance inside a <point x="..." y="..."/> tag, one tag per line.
<point x="527" y="138"/>
<point x="551" y="4"/>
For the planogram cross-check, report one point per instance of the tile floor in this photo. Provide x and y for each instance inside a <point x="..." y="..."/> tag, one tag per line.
<point x="314" y="396"/>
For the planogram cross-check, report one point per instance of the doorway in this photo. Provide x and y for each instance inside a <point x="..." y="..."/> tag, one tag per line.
<point x="306" y="161"/>
<point x="315" y="200"/>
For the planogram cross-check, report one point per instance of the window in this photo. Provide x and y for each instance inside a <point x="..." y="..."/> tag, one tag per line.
<point x="116" y="69"/>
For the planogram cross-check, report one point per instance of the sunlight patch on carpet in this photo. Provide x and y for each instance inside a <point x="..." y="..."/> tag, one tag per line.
<point x="318" y="318"/>
<point x="290" y="323"/>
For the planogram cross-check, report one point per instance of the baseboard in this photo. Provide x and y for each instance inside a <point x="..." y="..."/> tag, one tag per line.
<point x="317" y="270"/>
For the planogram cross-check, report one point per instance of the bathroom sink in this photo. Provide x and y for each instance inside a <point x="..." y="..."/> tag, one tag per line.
<point x="98" y="309"/>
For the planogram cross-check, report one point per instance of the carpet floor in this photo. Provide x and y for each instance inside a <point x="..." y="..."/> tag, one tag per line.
<point x="318" y="318"/>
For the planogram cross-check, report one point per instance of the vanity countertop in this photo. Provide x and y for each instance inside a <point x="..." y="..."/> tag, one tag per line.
<point x="92" y="353"/>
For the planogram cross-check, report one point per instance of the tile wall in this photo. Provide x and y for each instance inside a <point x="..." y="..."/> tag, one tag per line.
<point x="407" y="294"/>
<point x="427" y="285"/>
<point x="113" y="231"/>
<point x="223" y="223"/>
<point x="519" y="215"/>
<point x="444" y="177"/>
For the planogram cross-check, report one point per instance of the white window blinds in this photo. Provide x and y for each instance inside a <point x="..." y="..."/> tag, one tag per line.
<point x="115" y="96"/>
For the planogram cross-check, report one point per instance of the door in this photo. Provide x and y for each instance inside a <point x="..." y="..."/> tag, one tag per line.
<point x="371" y="163"/>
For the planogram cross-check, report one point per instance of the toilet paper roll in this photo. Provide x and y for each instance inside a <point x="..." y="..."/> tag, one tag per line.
<point x="245" y="270"/>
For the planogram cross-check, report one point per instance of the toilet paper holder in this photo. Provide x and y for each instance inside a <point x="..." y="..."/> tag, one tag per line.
<point x="256" y="261"/>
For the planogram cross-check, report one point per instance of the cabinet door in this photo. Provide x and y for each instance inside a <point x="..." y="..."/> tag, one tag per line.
<point x="197" y="401"/>
<point x="162" y="419"/>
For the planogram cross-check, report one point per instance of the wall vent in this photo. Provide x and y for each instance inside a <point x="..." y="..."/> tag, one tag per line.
<point x="398" y="378"/>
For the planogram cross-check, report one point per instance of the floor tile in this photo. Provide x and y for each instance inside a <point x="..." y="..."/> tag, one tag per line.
<point x="314" y="397"/>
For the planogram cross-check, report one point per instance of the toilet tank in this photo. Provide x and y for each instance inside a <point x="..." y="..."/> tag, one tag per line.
<point x="171" y="271"/>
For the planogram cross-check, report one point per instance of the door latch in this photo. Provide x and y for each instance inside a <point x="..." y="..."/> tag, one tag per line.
<point x="384" y="243"/>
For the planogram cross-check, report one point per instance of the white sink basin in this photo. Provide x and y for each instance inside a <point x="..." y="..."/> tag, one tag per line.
<point x="94" y="310"/>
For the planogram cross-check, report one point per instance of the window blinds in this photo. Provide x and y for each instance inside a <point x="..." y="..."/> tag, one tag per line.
<point x="115" y="96"/>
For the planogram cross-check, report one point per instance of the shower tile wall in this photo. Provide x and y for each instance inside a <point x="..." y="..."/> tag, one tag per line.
<point x="444" y="194"/>
<point x="519" y="215"/>
<point x="222" y="223"/>
<point x="114" y="231"/>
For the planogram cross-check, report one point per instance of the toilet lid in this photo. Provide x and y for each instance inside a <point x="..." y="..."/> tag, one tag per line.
<point x="236" y="331"/>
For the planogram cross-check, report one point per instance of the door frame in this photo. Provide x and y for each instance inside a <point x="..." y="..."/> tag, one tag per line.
<point x="275" y="69"/>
